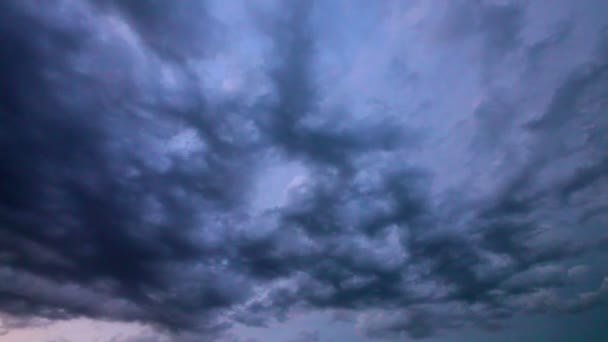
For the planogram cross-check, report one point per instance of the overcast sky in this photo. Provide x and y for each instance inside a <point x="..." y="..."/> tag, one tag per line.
<point x="303" y="171"/>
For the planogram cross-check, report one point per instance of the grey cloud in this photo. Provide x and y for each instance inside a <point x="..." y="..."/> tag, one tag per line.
<point x="79" y="175"/>
<point x="295" y="121"/>
<point x="307" y="336"/>
<point x="578" y="273"/>
<point x="497" y="24"/>
<point x="414" y="324"/>
<point x="141" y="203"/>
<point x="141" y="338"/>
<point x="9" y="322"/>
<point x="539" y="51"/>
<point x="494" y="116"/>
<point x="547" y="300"/>
<point x="428" y="320"/>
<point x="177" y="30"/>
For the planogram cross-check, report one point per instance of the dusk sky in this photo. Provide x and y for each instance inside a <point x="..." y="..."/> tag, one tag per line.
<point x="303" y="171"/>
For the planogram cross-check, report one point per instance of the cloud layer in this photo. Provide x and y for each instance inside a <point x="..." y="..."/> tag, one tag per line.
<point x="460" y="190"/>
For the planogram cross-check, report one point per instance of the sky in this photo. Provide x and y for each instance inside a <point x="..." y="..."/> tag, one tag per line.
<point x="303" y="171"/>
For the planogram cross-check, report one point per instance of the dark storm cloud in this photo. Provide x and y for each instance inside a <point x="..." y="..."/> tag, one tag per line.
<point x="124" y="198"/>
<point x="93" y="207"/>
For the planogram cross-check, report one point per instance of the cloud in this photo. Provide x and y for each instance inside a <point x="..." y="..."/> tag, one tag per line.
<point x="8" y="323"/>
<point x="307" y="336"/>
<point x="498" y="25"/>
<point x="127" y="181"/>
<point x="180" y="30"/>
<point x="412" y="323"/>
<point x="97" y="207"/>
